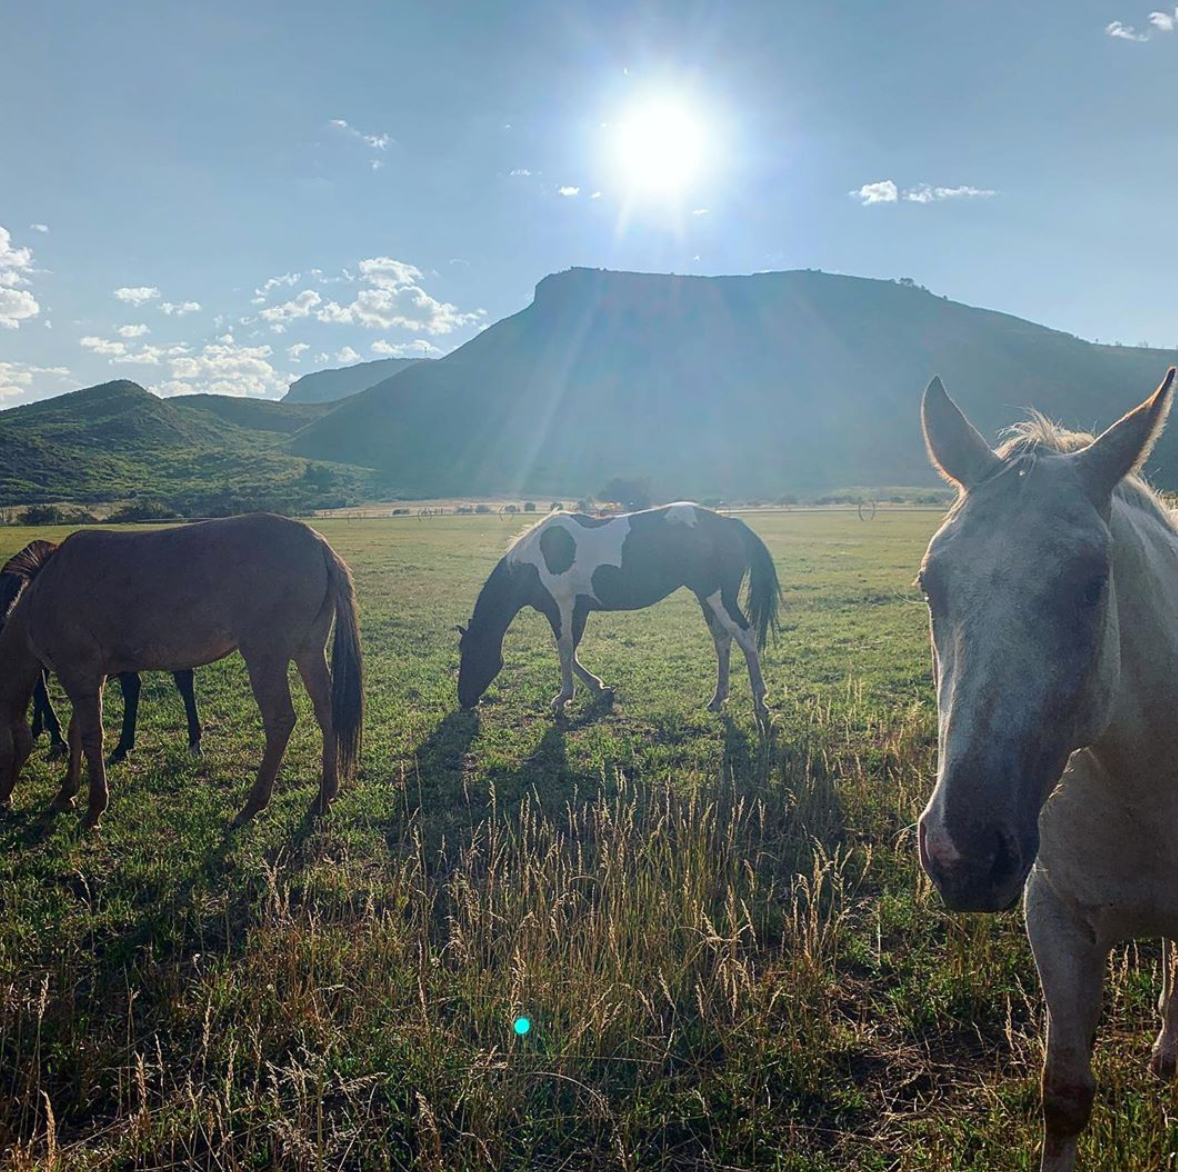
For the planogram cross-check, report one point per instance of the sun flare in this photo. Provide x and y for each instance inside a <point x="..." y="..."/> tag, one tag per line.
<point x="661" y="147"/>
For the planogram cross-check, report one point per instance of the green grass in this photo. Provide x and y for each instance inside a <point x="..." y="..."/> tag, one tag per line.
<point x="726" y="950"/>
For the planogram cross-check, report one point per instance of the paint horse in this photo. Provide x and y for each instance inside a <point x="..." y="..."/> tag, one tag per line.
<point x="20" y="570"/>
<point x="1053" y="593"/>
<point x="570" y="564"/>
<point x="103" y="603"/>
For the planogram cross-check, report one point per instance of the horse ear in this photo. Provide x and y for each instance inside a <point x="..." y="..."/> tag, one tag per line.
<point x="1125" y="446"/>
<point x="955" y="447"/>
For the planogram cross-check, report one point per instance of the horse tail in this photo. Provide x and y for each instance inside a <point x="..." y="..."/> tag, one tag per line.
<point x="20" y="570"/>
<point x="764" y="590"/>
<point x="347" y="667"/>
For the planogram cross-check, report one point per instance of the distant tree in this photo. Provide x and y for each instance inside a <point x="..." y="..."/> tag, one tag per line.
<point x="632" y="492"/>
<point x="529" y="506"/>
<point x="42" y="515"/>
<point x="482" y="509"/>
<point x="556" y="506"/>
<point x="787" y="499"/>
<point x="585" y="505"/>
<point x="143" y="510"/>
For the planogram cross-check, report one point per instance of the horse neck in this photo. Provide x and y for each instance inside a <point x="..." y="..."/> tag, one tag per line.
<point x="1141" y="739"/>
<point x="19" y="667"/>
<point x="499" y="601"/>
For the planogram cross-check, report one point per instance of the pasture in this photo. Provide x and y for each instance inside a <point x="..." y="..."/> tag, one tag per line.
<point x="724" y="944"/>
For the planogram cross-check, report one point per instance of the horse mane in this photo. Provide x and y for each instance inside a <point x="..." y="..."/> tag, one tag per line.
<point x="1024" y="442"/>
<point x="20" y="570"/>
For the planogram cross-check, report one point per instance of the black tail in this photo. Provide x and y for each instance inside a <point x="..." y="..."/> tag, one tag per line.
<point x="347" y="668"/>
<point x="764" y="594"/>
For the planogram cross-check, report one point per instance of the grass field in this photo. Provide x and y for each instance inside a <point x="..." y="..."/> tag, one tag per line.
<point x="725" y="947"/>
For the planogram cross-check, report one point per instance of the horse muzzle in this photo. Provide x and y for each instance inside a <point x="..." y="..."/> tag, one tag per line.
<point x="984" y="874"/>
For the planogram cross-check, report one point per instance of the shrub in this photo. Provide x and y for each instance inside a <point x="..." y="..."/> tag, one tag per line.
<point x="482" y="509"/>
<point x="529" y="506"/>
<point x="42" y="515"/>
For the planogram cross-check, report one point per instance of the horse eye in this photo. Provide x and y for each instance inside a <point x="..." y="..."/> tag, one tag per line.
<point x="1093" y="592"/>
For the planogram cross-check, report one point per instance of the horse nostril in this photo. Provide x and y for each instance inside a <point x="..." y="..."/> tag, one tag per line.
<point x="1006" y="860"/>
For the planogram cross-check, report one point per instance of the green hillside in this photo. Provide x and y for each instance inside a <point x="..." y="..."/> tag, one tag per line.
<point x="328" y="386"/>
<point x="720" y="385"/>
<point x="204" y="453"/>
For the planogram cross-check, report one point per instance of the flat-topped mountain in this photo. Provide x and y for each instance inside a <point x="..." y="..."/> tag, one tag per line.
<point x="738" y="386"/>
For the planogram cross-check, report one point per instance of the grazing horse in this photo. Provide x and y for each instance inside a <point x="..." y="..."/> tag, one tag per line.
<point x="570" y="564"/>
<point x="103" y="603"/>
<point x="1053" y="593"/>
<point x="21" y="569"/>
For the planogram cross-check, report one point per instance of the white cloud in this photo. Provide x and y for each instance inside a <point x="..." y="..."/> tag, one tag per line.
<point x="262" y="292"/>
<point x="300" y="306"/>
<point x="146" y="356"/>
<point x="596" y="195"/>
<point x="137" y="295"/>
<point x="16" y="304"/>
<point x="885" y="191"/>
<point x="296" y="352"/>
<point x="523" y="172"/>
<point x="700" y="211"/>
<point x="394" y="299"/>
<point x="103" y="346"/>
<point x="569" y="190"/>
<point x="347" y="354"/>
<point x="923" y="193"/>
<point x="226" y="368"/>
<point x="322" y="357"/>
<point x="132" y="331"/>
<point x="418" y="348"/>
<point x="39" y="227"/>
<point x="17" y="378"/>
<point x="1124" y="32"/>
<point x="180" y="309"/>
<point x="1164" y="22"/>
<point x="375" y="142"/>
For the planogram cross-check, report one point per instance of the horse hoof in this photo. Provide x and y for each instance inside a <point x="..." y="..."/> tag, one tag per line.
<point x="195" y="749"/>
<point x="244" y="816"/>
<point x="117" y="757"/>
<point x="605" y="697"/>
<point x="90" y="822"/>
<point x="61" y="803"/>
<point x="57" y="749"/>
<point x="716" y="706"/>
<point x="1163" y="1064"/>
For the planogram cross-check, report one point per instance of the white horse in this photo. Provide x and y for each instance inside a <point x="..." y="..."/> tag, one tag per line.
<point x="1053" y="593"/>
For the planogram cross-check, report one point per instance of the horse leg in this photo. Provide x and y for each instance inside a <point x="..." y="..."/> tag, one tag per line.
<point x="44" y="717"/>
<point x="312" y="667"/>
<point x="592" y="682"/>
<point x="186" y="686"/>
<point x="1071" y="971"/>
<point x="567" y="651"/>
<point x="272" y="692"/>
<point x="130" y="685"/>
<point x="723" y="642"/>
<point x="86" y="738"/>
<point x="731" y="618"/>
<point x="1164" y="1059"/>
<point x="64" y="799"/>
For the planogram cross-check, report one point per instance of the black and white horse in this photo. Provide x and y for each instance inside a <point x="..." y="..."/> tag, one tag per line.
<point x="570" y="564"/>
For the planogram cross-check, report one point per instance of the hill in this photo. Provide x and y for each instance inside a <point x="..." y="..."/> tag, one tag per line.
<point x="201" y="453"/>
<point x="326" y="386"/>
<point x="735" y="386"/>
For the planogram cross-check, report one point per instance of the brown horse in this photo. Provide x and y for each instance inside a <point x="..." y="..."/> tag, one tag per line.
<point x="103" y="603"/>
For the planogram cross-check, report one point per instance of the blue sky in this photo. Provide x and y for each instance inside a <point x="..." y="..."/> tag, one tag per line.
<point x="222" y="196"/>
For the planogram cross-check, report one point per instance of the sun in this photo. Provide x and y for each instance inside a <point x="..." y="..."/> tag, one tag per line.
<point x="661" y="147"/>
